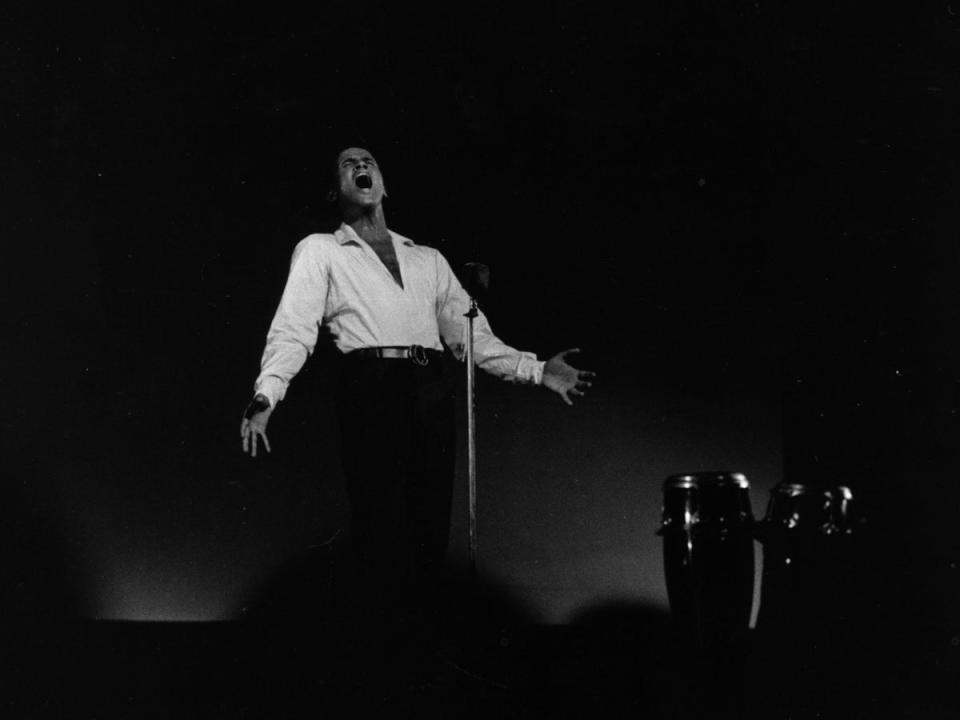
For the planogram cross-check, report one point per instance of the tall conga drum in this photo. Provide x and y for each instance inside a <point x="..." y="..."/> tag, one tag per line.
<point x="707" y="532"/>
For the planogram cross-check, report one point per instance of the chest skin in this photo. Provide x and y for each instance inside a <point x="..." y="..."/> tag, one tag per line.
<point x="388" y="256"/>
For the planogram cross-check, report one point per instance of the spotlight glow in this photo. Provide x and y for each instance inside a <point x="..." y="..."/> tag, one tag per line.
<point x="161" y="595"/>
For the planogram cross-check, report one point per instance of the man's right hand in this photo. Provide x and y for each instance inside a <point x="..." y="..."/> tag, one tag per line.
<point x="254" y="425"/>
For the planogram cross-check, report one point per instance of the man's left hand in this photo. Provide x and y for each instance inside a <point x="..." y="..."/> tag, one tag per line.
<point x="564" y="379"/>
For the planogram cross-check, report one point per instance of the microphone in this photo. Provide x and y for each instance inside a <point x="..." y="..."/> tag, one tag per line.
<point x="476" y="280"/>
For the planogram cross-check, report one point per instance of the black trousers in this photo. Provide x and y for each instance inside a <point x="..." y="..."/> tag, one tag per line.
<point x="397" y="431"/>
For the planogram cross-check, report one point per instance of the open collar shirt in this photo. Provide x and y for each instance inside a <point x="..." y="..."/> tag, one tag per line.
<point x="339" y="280"/>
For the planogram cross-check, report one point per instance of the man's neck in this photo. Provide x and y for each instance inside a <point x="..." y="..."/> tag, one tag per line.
<point x="370" y="224"/>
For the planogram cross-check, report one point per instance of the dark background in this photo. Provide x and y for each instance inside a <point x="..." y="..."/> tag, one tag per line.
<point x="743" y="212"/>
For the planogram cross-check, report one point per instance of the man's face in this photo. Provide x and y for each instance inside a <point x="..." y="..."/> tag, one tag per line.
<point x="359" y="179"/>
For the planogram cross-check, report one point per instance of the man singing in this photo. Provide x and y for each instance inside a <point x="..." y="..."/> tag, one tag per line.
<point x="391" y="306"/>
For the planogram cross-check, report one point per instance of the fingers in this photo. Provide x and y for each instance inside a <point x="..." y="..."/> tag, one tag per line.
<point x="569" y="351"/>
<point x="250" y="440"/>
<point x="575" y="390"/>
<point x="244" y="427"/>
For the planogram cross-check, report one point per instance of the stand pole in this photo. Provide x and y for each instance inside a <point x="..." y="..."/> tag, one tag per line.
<point x="471" y="443"/>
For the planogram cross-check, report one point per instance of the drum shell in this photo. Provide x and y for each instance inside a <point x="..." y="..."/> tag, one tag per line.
<point x="808" y="598"/>
<point x="707" y="535"/>
<point x="806" y="536"/>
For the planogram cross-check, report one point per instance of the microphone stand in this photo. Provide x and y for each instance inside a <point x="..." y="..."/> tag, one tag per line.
<point x="471" y="442"/>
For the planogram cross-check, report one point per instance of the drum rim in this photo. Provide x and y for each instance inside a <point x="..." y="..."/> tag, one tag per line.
<point x="717" y="478"/>
<point x="793" y="488"/>
<point x="681" y="481"/>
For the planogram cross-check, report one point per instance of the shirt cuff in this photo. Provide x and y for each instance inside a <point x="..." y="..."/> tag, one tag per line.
<point x="272" y="388"/>
<point x="530" y="370"/>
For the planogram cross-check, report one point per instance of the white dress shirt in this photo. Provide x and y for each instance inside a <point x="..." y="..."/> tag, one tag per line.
<point x="339" y="279"/>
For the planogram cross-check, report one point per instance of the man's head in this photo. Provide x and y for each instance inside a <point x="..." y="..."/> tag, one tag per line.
<point x="359" y="182"/>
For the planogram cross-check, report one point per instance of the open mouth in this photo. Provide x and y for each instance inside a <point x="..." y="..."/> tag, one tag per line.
<point x="364" y="182"/>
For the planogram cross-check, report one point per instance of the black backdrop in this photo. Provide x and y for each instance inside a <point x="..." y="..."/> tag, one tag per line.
<point x="735" y="208"/>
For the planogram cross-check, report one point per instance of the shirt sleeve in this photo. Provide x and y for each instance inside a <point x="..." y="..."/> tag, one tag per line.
<point x="293" y="332"/>
<point x="490" y="353"/>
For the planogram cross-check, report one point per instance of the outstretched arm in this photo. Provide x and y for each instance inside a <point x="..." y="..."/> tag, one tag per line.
<point x="290" y="340"/>
<point x="564" y="379"/>
<point x="491" y="354"/>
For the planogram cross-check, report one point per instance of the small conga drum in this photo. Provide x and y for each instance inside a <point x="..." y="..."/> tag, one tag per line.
<point x="805" y="536"/>
<point x="805" y="594"/>
<point x="707" y="532"/>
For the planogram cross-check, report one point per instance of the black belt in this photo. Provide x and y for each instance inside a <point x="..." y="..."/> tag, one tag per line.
<point x="418" y="354"/>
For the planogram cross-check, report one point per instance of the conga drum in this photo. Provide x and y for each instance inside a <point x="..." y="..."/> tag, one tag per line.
<point x="805" y="597"/>
<point x="707" y="531"/>
<point x="805" y="535"/>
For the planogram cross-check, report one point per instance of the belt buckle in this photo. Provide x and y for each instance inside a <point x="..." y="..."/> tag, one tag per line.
<point x="419" y="355"/>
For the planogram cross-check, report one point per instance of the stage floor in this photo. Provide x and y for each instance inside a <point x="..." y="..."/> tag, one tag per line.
<point x="617" y="663"/>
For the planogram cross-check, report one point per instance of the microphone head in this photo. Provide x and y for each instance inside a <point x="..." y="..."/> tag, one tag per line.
<point x="476" y="279"/>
